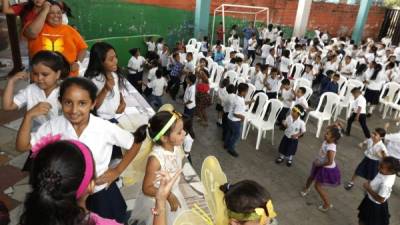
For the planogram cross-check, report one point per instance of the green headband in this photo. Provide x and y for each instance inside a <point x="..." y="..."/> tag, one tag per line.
<point x="243" y="216"/>
<point x="165" y="128"/>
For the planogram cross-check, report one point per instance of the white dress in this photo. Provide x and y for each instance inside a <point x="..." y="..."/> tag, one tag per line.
<point x="170" y="162"/>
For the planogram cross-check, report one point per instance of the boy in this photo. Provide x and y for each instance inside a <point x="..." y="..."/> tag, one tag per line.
<point x="235" y="119"/>
<point x="189" y="98"/>
<point x="176" y="71"/>
<point x="331" y="85"/>
<point x="287" y="96"/>
<point x="300" y="98"/>
<point x="158" y="86"/>
<point x="227" y="105"/>
<point x="358" y="113"/>
<point x="270" y="60"/>
<point x="219" y="56"/>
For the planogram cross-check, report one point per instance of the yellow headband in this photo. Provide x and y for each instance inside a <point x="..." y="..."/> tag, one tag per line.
<point x="298" y="111"/>
<point x="258" y="214"/>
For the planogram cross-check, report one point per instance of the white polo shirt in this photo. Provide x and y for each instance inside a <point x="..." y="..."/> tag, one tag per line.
<point x="285" y="64"/>
<point x="158" y="85"/>
<point x="32" y="95"/>
<point x="294" y="127"/>
<point x="273" y="84"/>
<point x="108" y="108"/>
<point x="270" y="60"/>
<point x="151" y="46"/>
<point x="238" y="107"/>
<point x="287" y="97"/>
<point x="99" y="135"/>
<point x="190" y="95"/>
<point x="227" y="102"/>
<point x="373" y="150"/>
<point x="135" y="65"/>
<point x="301" y="101"/>
<point x="359" y="102"/>
<point x="259" y="82"/>
<point x="382" y="185"/>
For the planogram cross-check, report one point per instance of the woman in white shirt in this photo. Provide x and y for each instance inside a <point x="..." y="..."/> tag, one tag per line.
<point x="374" y="209"/>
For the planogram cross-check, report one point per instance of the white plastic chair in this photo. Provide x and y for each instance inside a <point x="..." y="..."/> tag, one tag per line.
<point x="245" y="71"/>
<point x="249" y="115"/>
<point x="332" y="101"/>
<point x="252" y="74"/>
<point x="192" y="41"/>
<point x="198" y="46"/>
<point x="250" y="92"/>
<point x="295" y="71"/>
<point x="214" y="83"/>
<point x="190" y="48"/>
<point x="265" y="124"/>
<point x="210" y="61"/>
<point x="212" y="70"/>
<point x="342" y="88"/>
<point x="347" y="98"/>
<point x="395" y="106"/>
<point x="390" y="89"/>
<point x="238" y="80"/>
<point x="301" y="82"/>
<point x="232" y="75"/>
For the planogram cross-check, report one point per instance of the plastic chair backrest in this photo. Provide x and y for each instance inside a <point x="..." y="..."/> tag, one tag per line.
<point x="351" y="83"/>
<point x="212" y="178"/>
<point x="275" y="106"/>
<point x="238" y="80"/>
<point x="228" y="51"/>
<point x="296" y="70"/>
<point x="245" y="70"/>
<point x="189" y="217"/>
<point x="232" y="75"/>
<point x="341" y="81"/>
<point x="192" y="41"/>
<point x="218" y="76"/>
<point x="331" y="101"/>
<point x="262" y="100"/>
<point x="250" y="92"/>
<point x="390" y="89"/>
<point x="190" y="48"/>
<point x="343" y="88"/>
<point x="210" y="61"/>
<point x="213" y="70"/>
<point x="301" y="82"/>
<point x="198" y="46"/>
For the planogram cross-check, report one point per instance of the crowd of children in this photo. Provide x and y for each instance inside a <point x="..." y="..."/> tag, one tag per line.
<point x="70" y="128"/>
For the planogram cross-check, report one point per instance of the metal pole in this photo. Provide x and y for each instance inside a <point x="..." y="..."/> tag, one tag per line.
<point x="213" y="28"/>
<point x="223" y="22"/>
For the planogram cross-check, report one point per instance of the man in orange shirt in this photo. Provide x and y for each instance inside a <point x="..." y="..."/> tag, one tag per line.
<point x="46" y="32"/>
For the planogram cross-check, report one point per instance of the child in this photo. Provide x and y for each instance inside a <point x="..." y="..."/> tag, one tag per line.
<point x="374" y="80"/>
<point x="251" y="53"/>
<point x="300" y="99"/>
<point x="331" y="85"/>
<point x="222" y="94"/>
<point x="295" y="128"/>
<point x="204" y="46"/>
<point x="176" y="68"/>
<point x="189" y="137"/>
<point x="104" y="72"/>
<point x="158" y="86"/>
<point x="358" y="113"/>
<point x="167" y="132"/>
<point x="324" y="169"/>
<point x="77" y="97"/>
<point x="260" y="78"/>
<point x="219" y="56"/>
<point x="160" y="46"/>
<point x="248" y="203"/>
<point x="265" y="50"/>
<point x="374" y="209"/>
<point x="270" y="60"/>
<point x="189" y="98"/>
<point x="285" y="63"/>
<point x="61" y="179"/>
<point x="272" y="84"/>
<point x="227" y="106"/>
<point x="235" y="119"/>
<point x="376" y="150"/>
<point x="308" y="73"/>
<point x="203" y="98"/>
<point x="42" y="94"/>
<point x="135" y="68"/>
<point x="151" y="46"/>
<point x="287" y="96"/>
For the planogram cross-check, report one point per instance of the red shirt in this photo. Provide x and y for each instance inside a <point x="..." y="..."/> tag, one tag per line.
<point x="29" y="16"/>
<point x="203" y="87"/>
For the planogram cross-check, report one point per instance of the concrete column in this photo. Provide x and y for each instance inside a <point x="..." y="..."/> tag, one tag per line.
<point x="202" y="15"/>
<point x="362" y="16"/>
<point x="302" y="15"/>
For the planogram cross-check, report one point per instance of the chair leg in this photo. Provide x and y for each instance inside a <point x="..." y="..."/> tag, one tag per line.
<point x="272" y="139"/>
<point x="319" y="126"/>
<point x="259" y="135"/>
<point x="247" y="130"/>
<point x="308" y="115"/>
<point x="385" y="109"/>
<point x="244" y="129"/>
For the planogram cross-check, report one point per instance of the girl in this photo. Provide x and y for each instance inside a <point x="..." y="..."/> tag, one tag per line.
<point x="62" y="178"/>
<point x="295" y="128"/>
<point x="376" y="150"/>
<point x="374" y="80"/>
<point x="104" y="72"/>
<point x="167" y="132"/>
<point x="203" y="98"/>
<point x="135" y="67"/>
<point x="189" y="138"/>
<point x="374" y="209"/>
<point x="285" y="63"/>
<point x="324" y="169"/>
<point x="78" y="98"/>
<point x="347" y="67"/>
<point x="308" y="73"/>
<point x="248" y="203"/>
<point x="47" y="69"/>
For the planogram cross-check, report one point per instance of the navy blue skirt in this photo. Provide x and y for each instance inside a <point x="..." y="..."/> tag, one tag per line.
<point x="288" y="146"/>
<point x="370" y="213"/>
<point x="368" y="168"/>
<point x="372" y="96"/>
<point x="108" y="203"/>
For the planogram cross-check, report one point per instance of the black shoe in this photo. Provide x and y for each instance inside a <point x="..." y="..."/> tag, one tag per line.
<point x="289" y="163"/>
<point x="219" y="124"/>
<point x="233" y="153"/>
<point x="368" y="115"/>
<point x="278" y="160"/>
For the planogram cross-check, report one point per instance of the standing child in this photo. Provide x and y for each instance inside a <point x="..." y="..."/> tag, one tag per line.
<point x="158" y="86"/>
<point x="374" y="80"/>
<point x="374" y="209"/>
<point x="227" y="106"/>
<point x="285" y="63"/>
<point x="166" y="131"/>
<point x="324" y="169"/>
<point x="287" y="96"/>
<point x="204" y="46"/>
<point x="295" y="128"/>
<point x="222" y="94"/>
<point x="358" y="107"/>
<point x="174" y="83"/>
<point x="300" y="99"/>
<point x="272" y="84"/>
<point x="62" y="178"/>
<point x="203" y="98"/>
<point x="189" y="137"/>
<point x="235" y="119"/>
<point x="78" y="97"/>
<point x="135" y="68"/>
<point x="252" y="49"/>
<point x="189" y="98"/>
<point x="270" y="60"/>
<point x="376" y="151"/>
<point x="219" y="56"/>
<point x="160" y="46"/>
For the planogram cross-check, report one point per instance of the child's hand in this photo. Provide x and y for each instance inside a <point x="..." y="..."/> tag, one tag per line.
<point x="295" y="136"/>
<point x="42" y="108"/>
<point x="386" y="127"/>
<point x="108" y="177"/>
<point x="173" y="202"/>
<point x="20" y="76"/>
<point x="166" y="183"/>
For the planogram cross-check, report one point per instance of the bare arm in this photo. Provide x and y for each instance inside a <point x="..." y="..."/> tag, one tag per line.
<point x="330" y="156"/>
<point x="33" y="29"/>
<point x="374" y="195"/>
<point x="148" y="186"/>
<point x="8" y="102"/>
<point x="6" y="9"/>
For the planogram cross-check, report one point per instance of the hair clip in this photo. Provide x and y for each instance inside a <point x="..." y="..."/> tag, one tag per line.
<point x="44" y="141"/>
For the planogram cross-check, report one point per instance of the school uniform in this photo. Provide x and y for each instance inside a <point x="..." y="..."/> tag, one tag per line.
<point x="135" y="68"/>
<point x="108" y="108"/>
<point x="270" y="60"/>
<point x="287" y="99"/>
<point x="369" y="166"/>
<point x="252" y="50"/>
<point x="227" y="104"/>
<point x="362" y="103"/>
<point x="348" y="69"/>
<point x="100" y="136"/>
<point x="259" y="81"/>
<point x="372" y="212"/>
<point x="373" y="88"/>
<point x="190" y="95"/>
<point x="234" y="123"/>
<point x="265" y="52"/>
<point x="284" y="66"/>
<point x="222" y="94"/>
<point x="300" y="101"/>
<point x="288" y="145"/>
<point x="157" y="85"/>
<point x="274" y="85"/>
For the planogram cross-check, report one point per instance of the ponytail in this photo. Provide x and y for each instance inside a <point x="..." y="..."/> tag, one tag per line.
<point x="377" y="69"/>
<point x="140" y="134"/>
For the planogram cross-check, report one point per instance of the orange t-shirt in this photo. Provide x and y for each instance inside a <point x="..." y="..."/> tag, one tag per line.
<point x="62" y="38"/>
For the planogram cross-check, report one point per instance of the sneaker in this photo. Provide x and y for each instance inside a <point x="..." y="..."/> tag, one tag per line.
<point x="278" y="160"/>
<point x="304" y="193"/>
<point x="289" y="163"/>
<point x="323" y="209"/>
<point x="349" y="186"/>
<point x="233" y="153"/>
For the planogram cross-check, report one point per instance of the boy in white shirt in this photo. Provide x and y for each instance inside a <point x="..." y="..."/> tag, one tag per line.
<point x="265" y="50"/>
<point x="359" y="113"/>
<point x="252" y="49"/>
<point x="189" y="98"/>
<point x="158" y="86"/>
<point x="227" y="105"/>
<point x="272" y="84"/>
<point x="270" y="60"/>
<point x="135" y="68"/>
<point x="300" y="99"/>
<point x="287" y="96"/>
